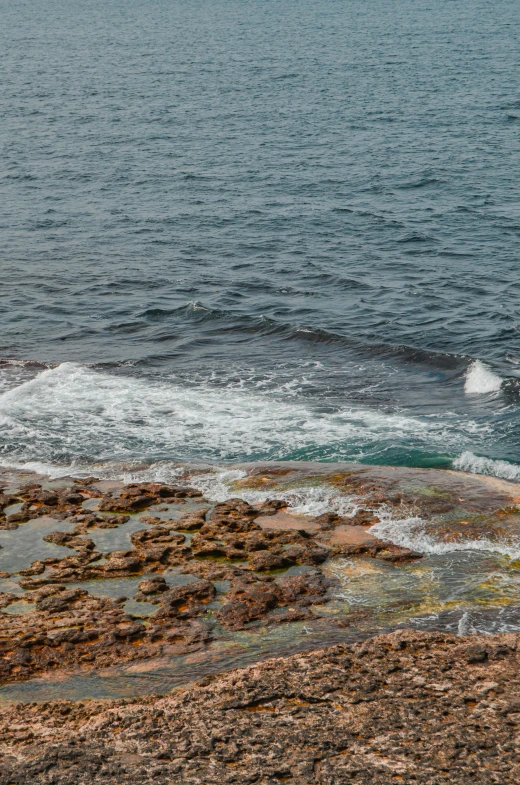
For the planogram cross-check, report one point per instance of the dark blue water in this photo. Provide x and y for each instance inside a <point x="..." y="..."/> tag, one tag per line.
<point x="260" y="230"/>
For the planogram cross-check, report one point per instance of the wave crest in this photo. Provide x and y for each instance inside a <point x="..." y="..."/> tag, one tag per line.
<point x="411" y="533"/>
<point x="475" y="464"/>
<point x="481" y="380"/>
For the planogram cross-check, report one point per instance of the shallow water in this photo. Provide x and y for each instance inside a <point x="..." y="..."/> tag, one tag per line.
<point x="240" y="649"/>
<point x="19" y="608"/>
<point x="117" y="539"/>
<point x="25" y="544"/>
<point x="249" y="233"/>
<point x="161" y="676"/>
<point x="430" y="587"/>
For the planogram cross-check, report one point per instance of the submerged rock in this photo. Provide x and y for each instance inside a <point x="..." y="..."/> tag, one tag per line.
<point x="248" y="547"/>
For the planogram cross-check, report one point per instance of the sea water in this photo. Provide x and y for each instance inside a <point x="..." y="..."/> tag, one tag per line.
<point x="247" y="231"/>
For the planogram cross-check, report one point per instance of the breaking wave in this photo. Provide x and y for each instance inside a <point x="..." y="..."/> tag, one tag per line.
<point x="481" y="380"/>
<point x="475" y="464"/>
<point x="73" y="414"/>
<point x="410" y="533"/>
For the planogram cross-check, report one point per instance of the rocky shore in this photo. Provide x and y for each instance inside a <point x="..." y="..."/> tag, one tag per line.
<point x="98" y="574"/>
<point x="249" y="548"/>
<point x="405" y="707"/>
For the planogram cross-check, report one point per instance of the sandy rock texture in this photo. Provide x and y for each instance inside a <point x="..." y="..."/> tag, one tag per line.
<point x="424" y="708"/>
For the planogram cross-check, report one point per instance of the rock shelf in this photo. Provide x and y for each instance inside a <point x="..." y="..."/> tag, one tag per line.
<point x="244" y="544"/>
<point x="408" y="706"/>
<point x="405" y="707"/>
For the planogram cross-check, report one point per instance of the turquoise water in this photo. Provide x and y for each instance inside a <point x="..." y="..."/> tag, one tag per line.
<point x="251" y="231"/>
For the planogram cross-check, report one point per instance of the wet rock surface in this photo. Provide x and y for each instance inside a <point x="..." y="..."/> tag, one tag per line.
<point x="404" y="707"/>
<point x="72" y="629"/>
<point x="252" y="547"/>
<point x="66" y="629"/>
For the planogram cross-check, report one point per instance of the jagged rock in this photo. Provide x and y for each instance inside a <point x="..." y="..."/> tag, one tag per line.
<point x="153" y="585"/>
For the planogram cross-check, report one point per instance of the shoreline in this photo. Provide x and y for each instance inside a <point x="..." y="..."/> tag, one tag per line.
<point x="153" y="600"/>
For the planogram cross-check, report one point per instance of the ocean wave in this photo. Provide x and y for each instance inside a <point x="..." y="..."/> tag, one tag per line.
<point x="480" y="379"/>
<point x="72" y="412"/>
<point x="14" y="372"/>
<point x="218" y="321"/>
<point x="411" y="533"/>
<point x="475" y="464"/>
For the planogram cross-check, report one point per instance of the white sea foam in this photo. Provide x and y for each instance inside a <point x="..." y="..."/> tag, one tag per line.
<point x="72" y="413"/>
<point x="304" y="500"/>
<point x="475" y="464"/>
<point x="465" y="626"/>
<point x="111" y="470"/>
<point x="50" y="470"/>
<point x="411" y="533"/>
<point x="480" y="379"/>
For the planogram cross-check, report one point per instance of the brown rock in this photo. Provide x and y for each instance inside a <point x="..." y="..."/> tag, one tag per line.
<point x="186" y="599"/>
<point x="261" y="561"/>
<point x="192" y="520"/>
<point x="285" y="521"/>
<point x="19" y="517"/>
<point x="153" y="585"/>
<point x="131" y="504"/>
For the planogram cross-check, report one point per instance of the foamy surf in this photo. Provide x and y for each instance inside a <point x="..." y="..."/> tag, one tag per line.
<point x="73" y="414"/>
<point x="475" y="464"/>
<point x="306" y="500"/>
<point x="411" y="533"/>
<point x="126" y="472"/>
<point x="481" y="380"/>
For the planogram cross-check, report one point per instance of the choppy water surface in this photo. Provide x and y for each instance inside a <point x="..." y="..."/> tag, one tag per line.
<point x="253" y="231"/>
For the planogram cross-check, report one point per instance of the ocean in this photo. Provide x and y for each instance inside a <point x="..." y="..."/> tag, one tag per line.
<point x="250" y="231"/>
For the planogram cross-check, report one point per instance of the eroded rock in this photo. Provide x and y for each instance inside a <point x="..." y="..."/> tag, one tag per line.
<point x="405" y="707"/>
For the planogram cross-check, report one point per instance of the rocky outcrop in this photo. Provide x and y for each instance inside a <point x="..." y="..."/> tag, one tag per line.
<point x="406" y="707"/>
